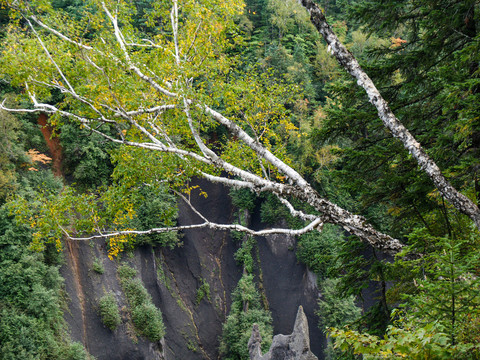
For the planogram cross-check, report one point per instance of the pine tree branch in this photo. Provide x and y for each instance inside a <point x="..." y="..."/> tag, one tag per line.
<point x="391" y="122"/>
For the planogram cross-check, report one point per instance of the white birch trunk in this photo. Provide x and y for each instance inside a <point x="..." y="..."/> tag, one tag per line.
<point x="398" y="130"/>
<point x="158" y="140"/>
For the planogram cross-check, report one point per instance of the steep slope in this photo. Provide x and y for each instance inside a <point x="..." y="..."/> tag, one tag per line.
<point x="174" y="278"/>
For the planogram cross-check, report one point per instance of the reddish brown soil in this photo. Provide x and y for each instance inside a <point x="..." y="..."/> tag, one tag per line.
<point x="72" y="254"/>
<point x="53" y="144"/>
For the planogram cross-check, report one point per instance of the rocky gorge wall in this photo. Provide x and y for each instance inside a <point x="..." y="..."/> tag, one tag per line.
<point x="173" y="278"/>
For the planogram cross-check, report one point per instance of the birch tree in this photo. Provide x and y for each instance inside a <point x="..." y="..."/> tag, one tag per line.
<point x="161" y="93"/>
<point x="390" y="121"/>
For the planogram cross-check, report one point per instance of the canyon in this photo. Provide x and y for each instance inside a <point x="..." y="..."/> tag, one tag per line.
<point x="173" y="276"/>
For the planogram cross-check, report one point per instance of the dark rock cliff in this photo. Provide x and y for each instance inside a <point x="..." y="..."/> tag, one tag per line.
<point x="173" y="278"/>
<point x="295" y="346"/>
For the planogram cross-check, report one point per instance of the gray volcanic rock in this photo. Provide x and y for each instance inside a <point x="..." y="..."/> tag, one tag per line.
<point x="287" y="284"/>
<point x="173" y="278"/>
<point x="84" y="287"/>
<point x="295" y="346"/>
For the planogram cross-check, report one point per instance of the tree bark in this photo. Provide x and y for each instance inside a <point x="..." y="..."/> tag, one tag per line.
<point x="154" y="137"/>
<point x="391" y="122"/>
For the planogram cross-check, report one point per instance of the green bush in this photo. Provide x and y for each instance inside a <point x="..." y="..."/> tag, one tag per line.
<point x="148" y="320"/>
<point x="203" y="291"/>
<point x="125" y="272"/>
<point x="243" y="255"/>
<point x="243" y="199"/>
<point x="333" y="309"/>
<point x="31" y="316"/>
<point x="97" y="266"/>
<point x="86" y="158"/>
<point x="154" y="207"/>
<point x="41" y="181"/>
<point x="136" y="292"/>
<point x="272" y="210"/>
<point x="319" y="250"/>
<point x="109" y="313"/>
<point x="410" y="341"/>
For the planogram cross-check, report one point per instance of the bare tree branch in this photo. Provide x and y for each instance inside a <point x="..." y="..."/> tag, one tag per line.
<point x="120" y="40"/>
<point x="295" y="212"/>
<point x="159" y="108"/>
<point x="315" y="224"/>
<point x="50" y="57"/>
<point x="207" y="224"/>
<point x="59" y="34"/>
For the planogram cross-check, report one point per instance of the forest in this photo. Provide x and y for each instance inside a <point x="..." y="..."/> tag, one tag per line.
<point x="350" y="126"/>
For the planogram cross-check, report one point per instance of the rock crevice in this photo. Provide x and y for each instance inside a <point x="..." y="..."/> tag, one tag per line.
<point x="295" y="346"/>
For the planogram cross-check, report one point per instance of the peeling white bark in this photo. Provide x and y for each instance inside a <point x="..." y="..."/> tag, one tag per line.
<point x="158" y="140"/>
<point x="316" y="223"/>
<point x="209" y="225"/>
<point x="391" y="122"/>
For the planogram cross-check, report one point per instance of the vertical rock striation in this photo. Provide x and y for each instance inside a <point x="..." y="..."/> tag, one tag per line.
<point x="173" y="278"/>
<point x="295" y="346"/>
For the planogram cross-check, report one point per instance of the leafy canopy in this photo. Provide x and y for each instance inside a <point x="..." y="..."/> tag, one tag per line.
<point x="141" y="76"/>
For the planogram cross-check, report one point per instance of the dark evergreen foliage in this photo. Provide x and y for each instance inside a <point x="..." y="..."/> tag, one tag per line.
<point x="31" y="305"/>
